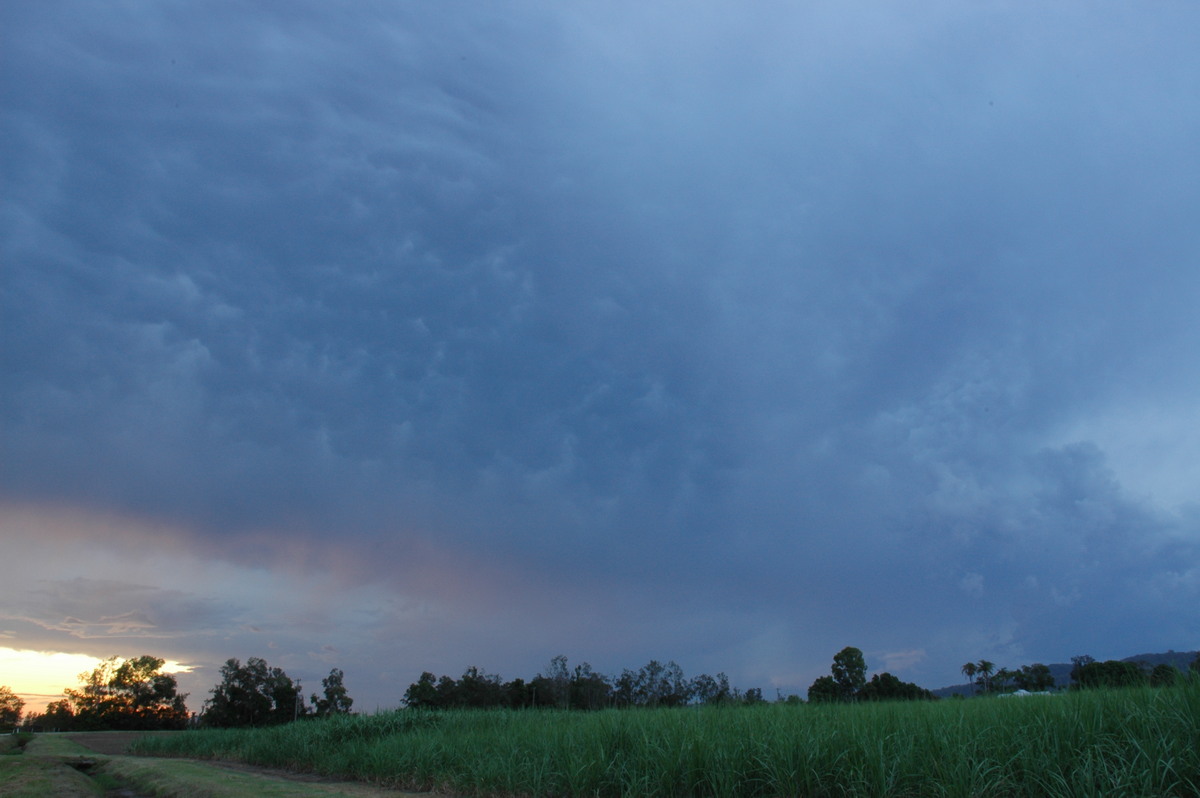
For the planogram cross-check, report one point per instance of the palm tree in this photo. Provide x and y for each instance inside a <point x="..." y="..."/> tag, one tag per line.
<point x="984" y="669"/>
<point x="969" y="671"/>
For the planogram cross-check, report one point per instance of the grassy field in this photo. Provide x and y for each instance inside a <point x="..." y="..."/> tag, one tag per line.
<point x="1136" y="742"/>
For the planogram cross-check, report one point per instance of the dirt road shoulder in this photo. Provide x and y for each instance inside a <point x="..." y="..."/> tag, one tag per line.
<point x="73" y="754"/>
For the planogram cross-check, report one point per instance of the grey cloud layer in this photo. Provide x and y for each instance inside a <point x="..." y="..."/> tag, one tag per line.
<point x="767" y="308"/>
<point x="97" y="609"/>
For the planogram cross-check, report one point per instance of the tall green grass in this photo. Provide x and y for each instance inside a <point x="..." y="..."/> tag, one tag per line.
<point x="1136" y="742"/>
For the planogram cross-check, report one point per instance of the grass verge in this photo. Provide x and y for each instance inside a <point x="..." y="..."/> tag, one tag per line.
<point x="37" y="770"/>
<point x="55" y="745"/>
<point x="31" y="777"/>
<point x="14" y="743"/>
<point x="180" y="779"/>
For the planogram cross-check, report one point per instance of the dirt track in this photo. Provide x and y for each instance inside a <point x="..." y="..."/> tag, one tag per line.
<point x="111" y="743"/>
<point x="117" y="743"/>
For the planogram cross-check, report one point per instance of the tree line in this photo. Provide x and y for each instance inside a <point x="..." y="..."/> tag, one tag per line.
<point x="256" y="694"/>
<point x="1086" y="673"/>
<point x="134" y="694"/>
<point x="118" y="695"/>
<point x="1035" y="678"/>
<point x="847" y="681"/>
<point x="655" y="684"/>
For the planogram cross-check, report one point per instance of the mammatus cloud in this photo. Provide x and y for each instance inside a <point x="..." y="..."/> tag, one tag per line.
<point x="424" y="340"/>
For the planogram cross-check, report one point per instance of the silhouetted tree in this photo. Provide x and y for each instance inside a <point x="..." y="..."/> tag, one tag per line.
<point x="254" y="694"/>
<point x="724" y="693"/>
<point x="589" y="689"/>
<point x="447" y="690"/>
<point x="753" y="696"/>
<point x="11" y="706"/>
<point x="656" y="684"/>
<point x="1078" y="663"/>
<point x="708" y="690"/>
<point x="652" y="686"/>
<point x="849" y="672"/>
<point x="1035" y="678"/>
<point x="58" y="717"/>
<point x="518" y="694"/>
<point x="1165" y="675"/>
<point x="886" y="687"/>
<point x="557" y="680"/>
<point x="674" y="689"/>
<point x="477" y="689"/>
<point x="969" y="670"/>
<point x="336" y="701"/>
<point x="985" y="668"/>
<point x="422" y="694"/>
<point x="824" y="690"/>
<point x="543" y="692"/>
<point x="848" y="682"/>
<point x="129" y="694"/>
<point x="1110" y="673"/>
<point x="1002" y="680"/>
<point x="625" y="689"/>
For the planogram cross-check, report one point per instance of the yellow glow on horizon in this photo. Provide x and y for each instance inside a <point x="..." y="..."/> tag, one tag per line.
<point x="40" y="677"/>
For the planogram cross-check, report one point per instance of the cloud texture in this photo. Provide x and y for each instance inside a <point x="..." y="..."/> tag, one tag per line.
<point x="723" y="334"/>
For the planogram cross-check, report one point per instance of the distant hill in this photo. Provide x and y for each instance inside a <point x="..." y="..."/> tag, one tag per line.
<point x="1180" y="659"/>
<point x="1062" y="671"/>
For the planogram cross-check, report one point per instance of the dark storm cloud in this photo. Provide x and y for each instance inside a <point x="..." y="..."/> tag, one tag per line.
<point x="270" y="290"/>
<point x="799" y="326"/>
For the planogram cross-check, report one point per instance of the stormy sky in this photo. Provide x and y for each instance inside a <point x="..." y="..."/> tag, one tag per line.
<point x="413" y="336"/>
